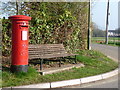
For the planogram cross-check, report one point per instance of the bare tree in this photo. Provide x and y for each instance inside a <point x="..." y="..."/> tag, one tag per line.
<point x="11" y="8"/>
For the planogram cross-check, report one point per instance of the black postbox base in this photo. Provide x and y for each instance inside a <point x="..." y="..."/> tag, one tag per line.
<point x="19" y="68"/>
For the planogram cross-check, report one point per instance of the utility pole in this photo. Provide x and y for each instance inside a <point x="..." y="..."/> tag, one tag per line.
<point x="106" y="40"/>
<point x="89" y="36"/>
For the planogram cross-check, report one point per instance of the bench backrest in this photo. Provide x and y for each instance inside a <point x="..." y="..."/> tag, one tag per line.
<point x="43" y="50"/>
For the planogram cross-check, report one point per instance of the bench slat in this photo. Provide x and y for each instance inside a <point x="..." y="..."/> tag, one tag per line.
<point x="45" y="51"/>
<point x="50" y="56"/>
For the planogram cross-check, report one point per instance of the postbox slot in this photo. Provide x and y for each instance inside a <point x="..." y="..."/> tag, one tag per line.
<point x="24" y="26"/>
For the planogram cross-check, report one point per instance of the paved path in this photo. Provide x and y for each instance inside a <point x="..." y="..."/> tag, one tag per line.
<point x="112" y="82"/>
<point x="111" y="51"/>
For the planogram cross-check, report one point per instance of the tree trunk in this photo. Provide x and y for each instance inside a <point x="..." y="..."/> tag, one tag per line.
<point x="17" y="9"/>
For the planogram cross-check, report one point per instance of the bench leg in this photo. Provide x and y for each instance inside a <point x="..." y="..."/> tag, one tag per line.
<point x="75" y="59"/>
<point x="41" y="62"/>
<point x="59" y="63"/>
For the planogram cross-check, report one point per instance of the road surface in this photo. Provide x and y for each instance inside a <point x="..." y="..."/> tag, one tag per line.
<point x="111" y="51"/>
<point x="108" y="83"/>
<point x="112" y="82"/>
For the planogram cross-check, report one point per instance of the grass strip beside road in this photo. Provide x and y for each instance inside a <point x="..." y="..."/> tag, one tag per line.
<point x="113" y="41"/>
<point x="95" y="63"/>
<point x="103" y="38"/>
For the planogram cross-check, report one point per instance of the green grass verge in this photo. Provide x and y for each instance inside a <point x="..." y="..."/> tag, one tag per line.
<point x="103" y="38"/>
<point x="113" y="41"/>
<point x="110" y="43"/>
<point x="95" y="63"/>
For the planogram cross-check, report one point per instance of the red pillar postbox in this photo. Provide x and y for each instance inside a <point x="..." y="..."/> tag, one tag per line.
<point x="20" y="27"/>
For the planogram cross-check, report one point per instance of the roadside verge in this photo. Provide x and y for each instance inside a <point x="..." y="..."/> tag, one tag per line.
<point x="95" y="63"/>
<point x="71" y="82"/>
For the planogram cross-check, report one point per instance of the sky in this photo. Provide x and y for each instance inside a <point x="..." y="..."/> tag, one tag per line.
<point x="98" y="13"/>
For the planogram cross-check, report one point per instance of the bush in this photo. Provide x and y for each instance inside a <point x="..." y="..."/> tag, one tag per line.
<point x="53" y="23"/>
<point x="6" y="37"/>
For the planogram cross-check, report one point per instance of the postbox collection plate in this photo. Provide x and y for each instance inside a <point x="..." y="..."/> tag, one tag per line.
<point x="24" y="35"/>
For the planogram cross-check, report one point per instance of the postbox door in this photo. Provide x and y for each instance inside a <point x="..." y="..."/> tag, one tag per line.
<point x="24" y="45"/>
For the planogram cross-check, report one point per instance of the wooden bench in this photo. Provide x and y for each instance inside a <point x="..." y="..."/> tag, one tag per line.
<point x="48" y="52"/>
